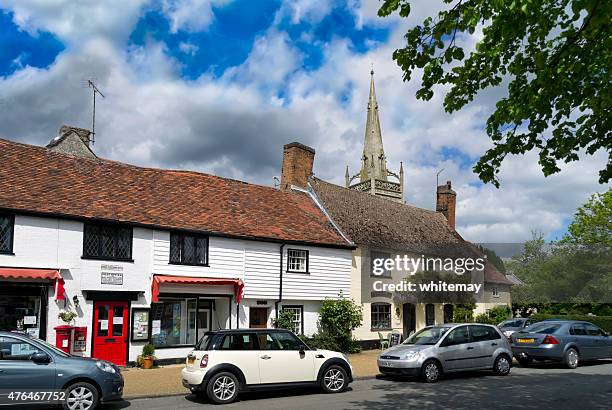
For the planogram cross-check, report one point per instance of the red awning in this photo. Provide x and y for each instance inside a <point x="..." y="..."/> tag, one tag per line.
<point x="158" y="279"/>
<point x="36" y="275"/>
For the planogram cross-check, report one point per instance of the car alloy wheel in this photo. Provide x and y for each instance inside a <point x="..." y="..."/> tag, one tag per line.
<point x="224" y="388"/>
<point x="334" y="379"/>
<point x="81" y="396"/>
<point x="431" y="372"/>
<point x="572" y="358"/>
<point x="502" y="365"/>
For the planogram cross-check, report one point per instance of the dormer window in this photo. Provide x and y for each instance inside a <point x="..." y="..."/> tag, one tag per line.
<point x="297" y="261"/>
<point x="7" y="227"/>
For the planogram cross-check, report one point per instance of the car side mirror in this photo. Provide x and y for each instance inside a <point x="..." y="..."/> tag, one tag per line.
<point x="40" y="358"/>
<point x="302" y="349"/>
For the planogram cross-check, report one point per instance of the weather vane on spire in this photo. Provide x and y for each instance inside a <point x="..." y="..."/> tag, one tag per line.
<point x="371" y="68"/>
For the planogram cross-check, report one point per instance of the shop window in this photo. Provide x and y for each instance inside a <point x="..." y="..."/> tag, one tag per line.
<point x="381" y="316"/>
<point x="430" y="314"/>
<point x="298" y="322"/>
<point x="109" y="242"/>
<point x="7" y="227"/>
<point x="178" y="322"/>
<point x="15" y="349"/>
<point x="297" y="260"/>
<point x="383" y="256"/>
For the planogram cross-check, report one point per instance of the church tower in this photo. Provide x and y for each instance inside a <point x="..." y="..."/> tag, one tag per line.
<point x="374" y="175"/>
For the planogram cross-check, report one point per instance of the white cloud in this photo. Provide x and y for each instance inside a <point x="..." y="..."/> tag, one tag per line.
<point x="76" y="21"/>
<point x="236" y="125"/>
<point x="190" y="15"/>
<point x="188" y="48"/>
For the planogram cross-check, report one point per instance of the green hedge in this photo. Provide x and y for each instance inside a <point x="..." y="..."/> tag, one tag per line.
<point x="604" y="322"/>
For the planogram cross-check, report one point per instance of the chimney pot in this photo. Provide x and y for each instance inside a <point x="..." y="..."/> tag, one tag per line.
<point x="298" y="160"/>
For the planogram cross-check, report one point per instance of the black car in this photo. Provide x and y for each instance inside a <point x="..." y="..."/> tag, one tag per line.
<point x="42" y="373"/>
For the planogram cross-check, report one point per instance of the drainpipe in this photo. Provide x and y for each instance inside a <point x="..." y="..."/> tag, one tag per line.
<point x="280" y="281"/>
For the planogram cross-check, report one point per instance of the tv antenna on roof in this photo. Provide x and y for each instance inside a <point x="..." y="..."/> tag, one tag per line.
<point x="95" y="90"/>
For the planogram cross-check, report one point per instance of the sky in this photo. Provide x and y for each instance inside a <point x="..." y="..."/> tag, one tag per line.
<point x="219" y="86"/>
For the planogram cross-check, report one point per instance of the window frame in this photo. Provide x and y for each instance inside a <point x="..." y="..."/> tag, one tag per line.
<point x="428" y="307"/>
<point x="201" y="303"/>
<point x="444" y="343"/>
<point x="11" y="218"/>
<point x="495" y="291"/>
<point x="372" y="313"/>
<point x="307" y="252"/>
<point x="89" y="225"/>
<point x="301" y="308"/>
<point x="182" y="235"/>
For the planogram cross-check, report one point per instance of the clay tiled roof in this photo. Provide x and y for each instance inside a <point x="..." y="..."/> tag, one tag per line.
<point x="381" y="223"/>
<point x="36" y="179"/>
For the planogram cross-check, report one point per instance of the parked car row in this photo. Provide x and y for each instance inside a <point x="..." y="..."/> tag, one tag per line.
<point x="226" y="363"/>
<point x="449" y="348"/>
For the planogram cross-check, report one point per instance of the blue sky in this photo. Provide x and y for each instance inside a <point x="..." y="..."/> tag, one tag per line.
<point x="219" y="86"/>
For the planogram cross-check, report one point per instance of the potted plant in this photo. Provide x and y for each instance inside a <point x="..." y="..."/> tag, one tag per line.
<point x="146" y="359"/>
<point x="67" y="316"/>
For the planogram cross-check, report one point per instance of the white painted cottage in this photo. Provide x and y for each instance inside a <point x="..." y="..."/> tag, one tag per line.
<point x="142" y="254"/>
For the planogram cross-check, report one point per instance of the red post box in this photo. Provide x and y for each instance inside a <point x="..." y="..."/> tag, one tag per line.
<point x="79" y="342"/>
<point x="63" y="337"/>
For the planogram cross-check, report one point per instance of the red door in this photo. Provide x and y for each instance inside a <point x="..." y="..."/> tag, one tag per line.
<point x="110" y="335"/>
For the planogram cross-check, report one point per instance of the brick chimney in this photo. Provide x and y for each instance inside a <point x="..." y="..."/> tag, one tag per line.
<point x="298" y="160"/>
<point x="446" y="200"/>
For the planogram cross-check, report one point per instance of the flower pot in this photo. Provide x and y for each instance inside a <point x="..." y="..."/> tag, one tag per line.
<point x="147" y="362"/>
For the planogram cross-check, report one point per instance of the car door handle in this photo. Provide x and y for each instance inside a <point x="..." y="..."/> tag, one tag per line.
<point x="265" y="357"/>
<point x="470" y="348"/>
<point x="493" y="344"/>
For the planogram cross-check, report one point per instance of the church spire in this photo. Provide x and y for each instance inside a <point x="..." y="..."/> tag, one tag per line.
<point x="373" y="161"/>
<point x="374" y="175"/>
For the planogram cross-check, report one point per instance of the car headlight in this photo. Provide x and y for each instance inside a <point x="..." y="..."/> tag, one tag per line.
<point x="411" y="355"/>
<point x="105" y="367"/>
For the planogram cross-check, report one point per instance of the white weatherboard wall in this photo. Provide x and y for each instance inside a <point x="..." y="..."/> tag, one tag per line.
<point x="53" y="243"/>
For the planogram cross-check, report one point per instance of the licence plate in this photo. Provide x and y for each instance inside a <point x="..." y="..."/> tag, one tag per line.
<point x="525" y="340"/>
<point x="387" y="364"/>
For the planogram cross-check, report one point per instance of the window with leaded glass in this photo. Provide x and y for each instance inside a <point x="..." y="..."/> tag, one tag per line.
<point x="105" y="241"/>
<point x="297" y="260"/>
<point x="7" y="226"/>
<point x="381" y="316"/>
<point x="188" y="249"/>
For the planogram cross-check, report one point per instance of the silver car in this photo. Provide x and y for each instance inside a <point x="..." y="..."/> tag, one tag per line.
<point x="566" y="341"/>
<point x="447" y="348"/>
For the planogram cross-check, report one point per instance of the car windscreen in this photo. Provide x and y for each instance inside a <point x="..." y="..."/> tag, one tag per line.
<point x="511" y="323"/>
<point x="543" y="327"/>
<point x="427" y="336"/>
<point x="55" y="349"/>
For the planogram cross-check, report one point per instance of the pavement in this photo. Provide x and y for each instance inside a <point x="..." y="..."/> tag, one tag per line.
<point x="537" y="387"/>
<point x="166" y="380"/>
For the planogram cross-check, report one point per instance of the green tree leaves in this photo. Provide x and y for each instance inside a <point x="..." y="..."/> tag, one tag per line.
<point x="556" y="56"/>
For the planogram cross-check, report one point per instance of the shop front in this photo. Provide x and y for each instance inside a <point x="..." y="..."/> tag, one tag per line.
<point x="24" y="296"/>
<point x="184" y="308"/>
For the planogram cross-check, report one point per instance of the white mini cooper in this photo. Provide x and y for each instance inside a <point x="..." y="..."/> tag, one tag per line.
<point x="225" y="363"/>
